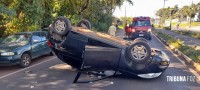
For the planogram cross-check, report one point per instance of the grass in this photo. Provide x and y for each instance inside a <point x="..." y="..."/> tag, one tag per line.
<point x="178" y="44"/>
<point x="187" y="24"/>
<point x="189" y="33"/>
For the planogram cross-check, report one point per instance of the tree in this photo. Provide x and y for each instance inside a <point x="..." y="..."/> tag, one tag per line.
<point x="189" y="11"/>
<point x="30" y="15"/>
<point x="175" y="12"/>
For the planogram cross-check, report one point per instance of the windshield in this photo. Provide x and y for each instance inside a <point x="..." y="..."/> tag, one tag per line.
<point x="17" y="38"/>
<point x="141" y="23"/>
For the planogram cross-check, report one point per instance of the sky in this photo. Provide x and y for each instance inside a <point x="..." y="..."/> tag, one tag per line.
<point x="148" y="7"/>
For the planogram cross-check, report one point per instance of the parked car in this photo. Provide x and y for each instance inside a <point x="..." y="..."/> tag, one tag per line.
<point x="140" y="27"/>
<point x="22" y="47"/>
<point x="90" y="51"/>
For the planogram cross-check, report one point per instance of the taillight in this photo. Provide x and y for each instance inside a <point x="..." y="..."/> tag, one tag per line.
<point x="49" y="44"/>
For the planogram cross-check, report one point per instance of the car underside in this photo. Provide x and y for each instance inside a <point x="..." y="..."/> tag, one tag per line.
<point x="90" y="51"/>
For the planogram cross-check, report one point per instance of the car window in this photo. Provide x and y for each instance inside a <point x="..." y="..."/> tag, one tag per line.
<point x="21" y="39"/>
<point x="43" y="36"/>
<point x="36" y="38"/>
<point x="141" y="23"/>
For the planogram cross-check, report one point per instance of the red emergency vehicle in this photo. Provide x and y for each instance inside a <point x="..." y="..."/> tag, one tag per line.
<point x="140" y="27"/>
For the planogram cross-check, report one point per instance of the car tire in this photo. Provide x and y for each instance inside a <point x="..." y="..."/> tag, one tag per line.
<point x="25" y="60"/>
<point x="61" y="26"/>
<point x="138" y="55"/>
<point x="84" y="23"/>
<point x="51" y="53"/>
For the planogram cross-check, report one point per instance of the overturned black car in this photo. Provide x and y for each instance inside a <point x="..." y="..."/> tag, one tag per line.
<point x="90" y="51"/>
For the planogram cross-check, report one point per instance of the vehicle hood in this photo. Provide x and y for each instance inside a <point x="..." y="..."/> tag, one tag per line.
<point x="142" y="28"/>
<point x="4" y="47"/>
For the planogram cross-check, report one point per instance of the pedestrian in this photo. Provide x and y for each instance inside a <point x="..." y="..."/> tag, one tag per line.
<point x="112" y="29"/>
<point x="127" y="30"/>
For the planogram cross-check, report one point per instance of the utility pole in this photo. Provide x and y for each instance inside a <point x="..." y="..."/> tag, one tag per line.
<point x="170" y="24"/>
<point x="163" y="14"/>
<point x="125" y="15"/>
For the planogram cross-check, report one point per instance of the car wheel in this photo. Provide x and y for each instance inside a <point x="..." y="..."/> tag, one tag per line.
<point x="25" y="60"/>
<point x="138" y="54"/>
<point x="84" y="23"/>
<point x="61" y="26"/>
<point x="51" y="53"/>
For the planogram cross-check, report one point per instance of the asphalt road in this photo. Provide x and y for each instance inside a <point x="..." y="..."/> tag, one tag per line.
<point x="49" y="73"/>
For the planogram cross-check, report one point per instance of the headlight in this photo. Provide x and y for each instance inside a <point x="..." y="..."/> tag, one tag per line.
<point x="133" y="30"/>
<point x="7" y="53"/>
<point x="149" y="30"/>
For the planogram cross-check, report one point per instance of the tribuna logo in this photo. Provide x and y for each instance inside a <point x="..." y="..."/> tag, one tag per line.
<point x="181" y="78"/>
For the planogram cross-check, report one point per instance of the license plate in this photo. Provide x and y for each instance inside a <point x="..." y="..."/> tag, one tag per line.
<point x="141" y="34"/>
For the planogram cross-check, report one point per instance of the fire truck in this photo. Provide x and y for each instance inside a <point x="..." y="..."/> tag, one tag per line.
<point x="140" y="27"/>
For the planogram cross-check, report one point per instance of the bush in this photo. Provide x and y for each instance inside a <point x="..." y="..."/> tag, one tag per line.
<point x="196" y="35"/>
<point x="189" y="33"/>
<point x="166" y="28"/>
<point x="191" y="52"/>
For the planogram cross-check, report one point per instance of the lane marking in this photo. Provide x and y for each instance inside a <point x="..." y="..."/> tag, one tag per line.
<point x="27" y="68"/>
<point x="190" y="69"/>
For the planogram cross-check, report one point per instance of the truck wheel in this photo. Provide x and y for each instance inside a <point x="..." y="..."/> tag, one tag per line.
<point x="138" y="54"/>
<point x="84" y="23"/>
<point x="61" y="26"/>
<point x="25" y="60"/>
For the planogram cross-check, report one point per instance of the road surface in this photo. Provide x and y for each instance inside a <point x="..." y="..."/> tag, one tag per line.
<point x="49" y="73"/>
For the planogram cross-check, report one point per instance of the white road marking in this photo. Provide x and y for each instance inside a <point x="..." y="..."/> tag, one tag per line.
<point x="26" y="68"/>
<point x="190" y="69"/>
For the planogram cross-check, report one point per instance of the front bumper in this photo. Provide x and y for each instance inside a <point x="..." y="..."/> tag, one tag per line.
<point x="149" y="75"/>
<point x="9" y="60"/>
<point x="141" y="34"/>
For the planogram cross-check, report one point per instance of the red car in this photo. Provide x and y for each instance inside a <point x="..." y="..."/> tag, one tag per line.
<point x="140" y="27"/>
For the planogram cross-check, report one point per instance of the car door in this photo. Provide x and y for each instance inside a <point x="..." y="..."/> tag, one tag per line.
<point x="36" y="45"/>
<point x="45" y="48"/>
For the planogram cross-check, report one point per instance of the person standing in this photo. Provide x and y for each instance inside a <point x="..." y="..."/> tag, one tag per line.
<point x="112" y="29"/>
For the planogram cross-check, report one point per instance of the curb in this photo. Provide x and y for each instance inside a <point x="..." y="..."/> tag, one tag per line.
<point x="179" y="53"/>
